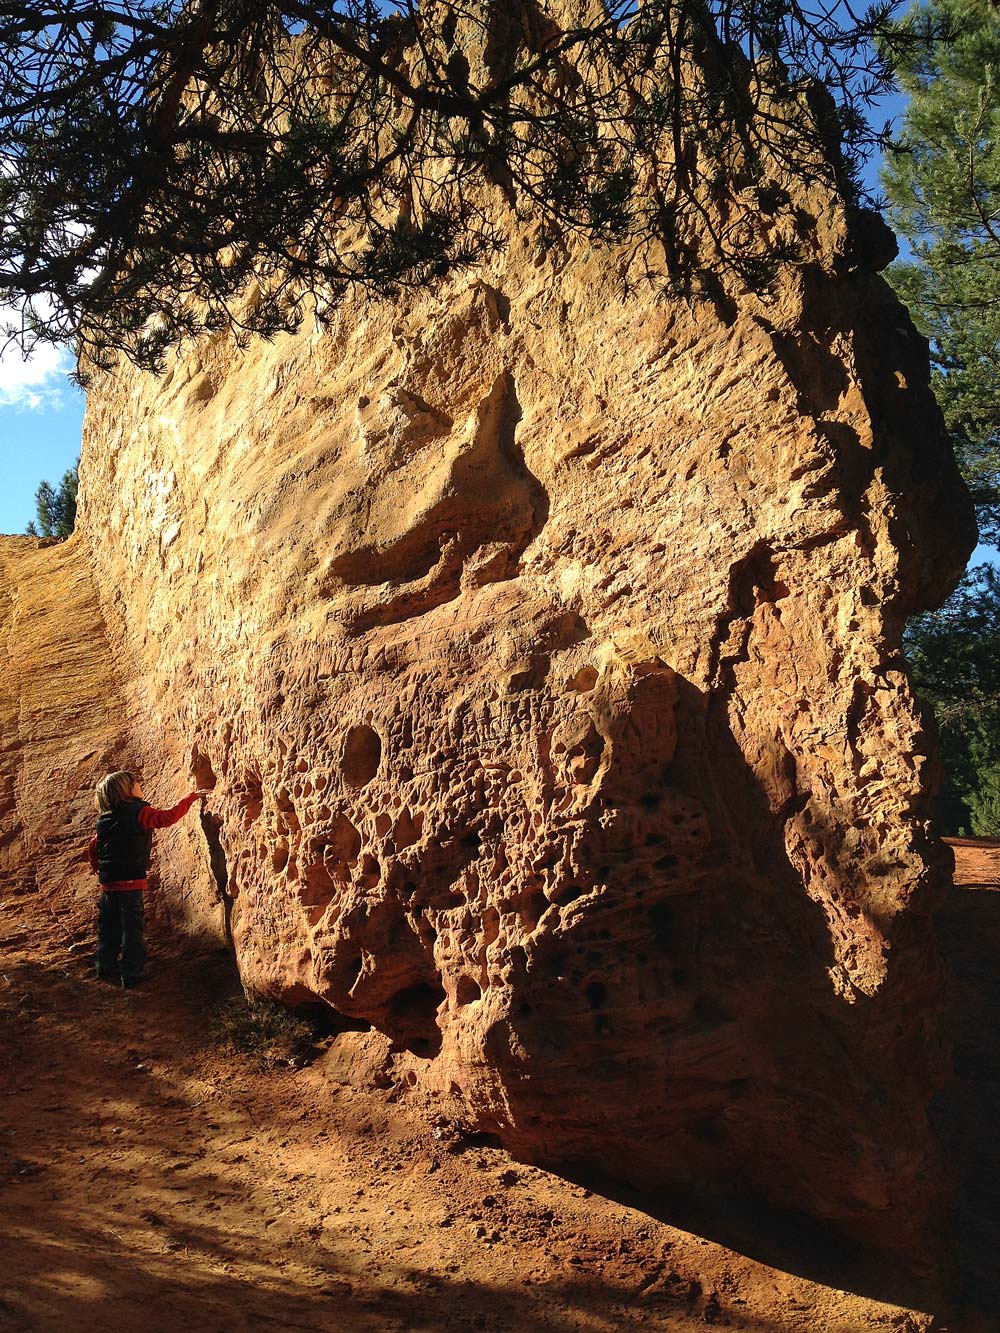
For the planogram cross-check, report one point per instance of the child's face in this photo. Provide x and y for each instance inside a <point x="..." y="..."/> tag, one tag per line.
<point x="136" y="791"/>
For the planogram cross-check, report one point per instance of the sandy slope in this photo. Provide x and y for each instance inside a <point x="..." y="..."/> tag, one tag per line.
<point x="152" y="1182"/>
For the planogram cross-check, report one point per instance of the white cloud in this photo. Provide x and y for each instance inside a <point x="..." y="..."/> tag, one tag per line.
<point x="36" y="381"/>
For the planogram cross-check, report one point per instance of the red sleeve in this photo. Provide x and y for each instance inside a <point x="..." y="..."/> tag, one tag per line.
<point x="92" y="854"/>
<point x="150" y="817"/>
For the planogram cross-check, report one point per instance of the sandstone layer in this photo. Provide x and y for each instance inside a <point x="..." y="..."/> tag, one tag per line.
<point x="543" y="645"/>
<point x="62" y="715"/>
<point x="977" y="861"/>
<point x="539" y="634"/>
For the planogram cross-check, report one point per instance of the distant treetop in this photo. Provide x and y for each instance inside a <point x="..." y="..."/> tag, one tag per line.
<point x="55" y="509"/>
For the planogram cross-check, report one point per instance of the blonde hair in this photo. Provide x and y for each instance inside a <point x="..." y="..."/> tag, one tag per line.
<point x="112" y="789"/>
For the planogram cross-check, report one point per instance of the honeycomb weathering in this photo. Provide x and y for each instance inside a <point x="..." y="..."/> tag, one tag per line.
<point x="543" y="645"/>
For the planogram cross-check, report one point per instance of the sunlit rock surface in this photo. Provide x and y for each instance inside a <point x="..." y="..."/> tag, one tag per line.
<point x="542" y="646"/>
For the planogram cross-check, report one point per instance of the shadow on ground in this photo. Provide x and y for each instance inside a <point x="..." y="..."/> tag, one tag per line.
<point x="138" y="1178"/>
<point x="967" y="1113"/>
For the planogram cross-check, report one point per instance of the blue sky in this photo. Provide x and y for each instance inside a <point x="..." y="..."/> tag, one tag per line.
<point x="41" y="414"/>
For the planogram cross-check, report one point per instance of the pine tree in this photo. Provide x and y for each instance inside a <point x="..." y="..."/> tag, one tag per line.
<point x="943" y="185"/>
<point x="55" y="509"/>
<point x="163" y="158"/>
<point x="954" y="655"/>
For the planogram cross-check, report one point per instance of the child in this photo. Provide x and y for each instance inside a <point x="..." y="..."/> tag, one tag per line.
<point x="119" y="856"/>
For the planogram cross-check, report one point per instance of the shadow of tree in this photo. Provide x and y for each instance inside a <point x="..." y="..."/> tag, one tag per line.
<point x="178" y="1228"/>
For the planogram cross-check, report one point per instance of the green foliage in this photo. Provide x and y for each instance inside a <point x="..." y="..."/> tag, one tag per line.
<point x="943" y="185"/>
<point x="56" y="509"/>
<point x="270" y="1035"/>
<point x="954" y="654"/>
<point x="158" y="167"/>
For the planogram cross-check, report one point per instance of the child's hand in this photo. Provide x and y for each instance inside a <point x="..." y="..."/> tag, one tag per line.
<point x="203" y="792"/>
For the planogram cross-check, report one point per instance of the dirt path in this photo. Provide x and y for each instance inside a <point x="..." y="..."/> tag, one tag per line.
<point x="152" y="1182"/>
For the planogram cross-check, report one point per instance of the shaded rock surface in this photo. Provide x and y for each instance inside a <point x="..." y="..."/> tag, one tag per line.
<point x="542" y="647"/>
<point x="977" y="861"/>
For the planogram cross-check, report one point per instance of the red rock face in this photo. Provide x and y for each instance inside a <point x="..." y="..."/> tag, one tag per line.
<point x="63" y="720"/>
<point x="543" y="648"/>
<point x="977" y="862"/>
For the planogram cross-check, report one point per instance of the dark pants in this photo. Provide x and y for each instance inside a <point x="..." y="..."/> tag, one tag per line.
<point x="120" y="931"/>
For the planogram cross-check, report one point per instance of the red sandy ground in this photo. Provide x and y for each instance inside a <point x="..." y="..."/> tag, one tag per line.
<point x="152" y="1182"/>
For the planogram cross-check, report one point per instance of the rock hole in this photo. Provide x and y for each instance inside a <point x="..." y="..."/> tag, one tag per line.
<point x="597" y="995"/>
<point x="341" y="847"/>
<point x="317" y="887"/>
<point x="661" y="923"/>
<point x="564" y="894"/>
<point x="468" y="991"/>
<point x="707" y="1131"/>
<point x="408" y="829"/>
<point x="252" y="800"/>
<point x="412" y="1019"/>
<point x="279" y="858"/>
<point x="201" y="769"/>
<point x="584" y="680"/>
<point x="709" y="1013"/>
<point x="361" y="756"/>
<point x="325" y="1020"/>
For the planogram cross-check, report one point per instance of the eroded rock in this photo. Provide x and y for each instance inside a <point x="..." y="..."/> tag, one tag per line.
<point x="540" y="639"/>
<point x="548" y="663"/>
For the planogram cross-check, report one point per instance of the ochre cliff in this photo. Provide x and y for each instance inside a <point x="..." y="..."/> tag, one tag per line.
<point x="542" y="644"/>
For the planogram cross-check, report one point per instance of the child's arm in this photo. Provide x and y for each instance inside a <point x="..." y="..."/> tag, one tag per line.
<point x="92" y="855"/>
<point x="151" y="818"/>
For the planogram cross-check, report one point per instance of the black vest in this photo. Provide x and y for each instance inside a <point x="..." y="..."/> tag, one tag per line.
<point x="123" y="845"/>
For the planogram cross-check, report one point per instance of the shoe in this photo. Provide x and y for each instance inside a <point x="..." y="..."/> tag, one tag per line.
<point x="101" y="975"/>
<point x="129" y="982"/>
